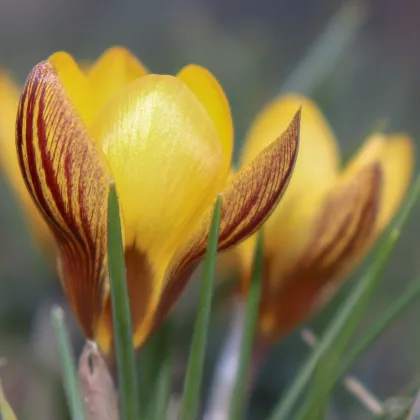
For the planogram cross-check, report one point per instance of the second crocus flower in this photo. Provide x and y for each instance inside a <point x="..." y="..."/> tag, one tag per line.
<point x="167" y="142"/>
<point x="328" y="218"/>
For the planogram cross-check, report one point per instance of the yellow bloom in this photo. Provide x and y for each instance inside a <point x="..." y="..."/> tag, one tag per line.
<point x="328" y="218"/>
<point x="9" y="99"/>
<point x="167" y="142"/>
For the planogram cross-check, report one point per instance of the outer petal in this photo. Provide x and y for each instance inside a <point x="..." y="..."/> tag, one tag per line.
<point x="396" y="156"/>
<point x="9" y="99"/>
<point x="68" y="181"/>
<point x="165" y="155"/>
<point x="341" y="234"/>
<point x="247" y="201"/>
<point x="316" y="171"/>
<point x="212" y="96"/>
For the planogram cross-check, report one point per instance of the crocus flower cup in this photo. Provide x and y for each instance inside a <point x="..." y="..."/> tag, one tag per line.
<point x="329" y="216"/>
<point x="167" y="142"/>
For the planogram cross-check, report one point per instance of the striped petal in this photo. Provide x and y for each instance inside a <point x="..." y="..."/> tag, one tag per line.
<point x="248" y="200"/>
<point x="67" y="178"/>
<point x="341" y="234"/>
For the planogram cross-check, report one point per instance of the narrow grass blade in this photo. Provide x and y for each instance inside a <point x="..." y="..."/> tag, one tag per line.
<point x="325" y="378"/>
<point x="68" y="366"/>
<point x="321" y="58"/>
<point x="335" y="339"/>
<point x="155" y="372"/>
<point x="391" y="314"/>
<point x="193" y="378"/>
<point x="237" y="408"/>
<point x="162" y="386"/>
<point x="127" y="379"/>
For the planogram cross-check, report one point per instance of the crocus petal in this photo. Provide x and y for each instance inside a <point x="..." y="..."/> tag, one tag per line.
<point x="210" y="93"/>
<point x="68" y="180"/>
<point x="9" y="100"/>
<point x="113" y="70"/>
<point x="396" y="156"/>
<point x="247" y="201"/>
<point x="316" y="171"/>
<point x="342" y="231"/>
<point x="165" y="155"/>
<point x="90" y="90"/>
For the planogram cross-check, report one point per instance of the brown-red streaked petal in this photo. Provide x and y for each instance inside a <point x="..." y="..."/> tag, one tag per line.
<point x="343" y="231"/>
<point x="248" y="200"/>
<point x="67" y="178"/>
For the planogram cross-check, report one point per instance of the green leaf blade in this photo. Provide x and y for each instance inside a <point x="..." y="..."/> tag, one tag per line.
<point x="237" y="408"/>
<point x="68" y="366"/>
<point x="193" y="378"/>
<point x="124" y="351"/>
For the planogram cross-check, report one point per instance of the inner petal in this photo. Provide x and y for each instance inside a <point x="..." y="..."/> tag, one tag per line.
<point x="167" y="160"/>
<point x="90" y="90"/>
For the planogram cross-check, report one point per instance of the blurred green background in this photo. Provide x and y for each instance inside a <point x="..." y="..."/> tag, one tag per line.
<point x="253" y="48"/>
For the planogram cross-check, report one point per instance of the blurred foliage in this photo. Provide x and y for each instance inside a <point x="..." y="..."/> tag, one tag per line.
<point x="252" y="47"/>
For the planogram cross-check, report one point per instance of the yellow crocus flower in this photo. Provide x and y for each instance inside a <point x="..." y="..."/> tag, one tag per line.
<point x="167" y="142"/>
<point x="328" y="218"/>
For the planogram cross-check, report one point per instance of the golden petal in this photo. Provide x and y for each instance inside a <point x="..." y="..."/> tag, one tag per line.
<point x="67" y="178"/>
<point x="166" y="158"/>
<point x="114" y="69"/>
<point x="210" y="93"/>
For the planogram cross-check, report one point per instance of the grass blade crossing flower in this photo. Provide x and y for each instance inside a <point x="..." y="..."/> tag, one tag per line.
<point x="193" y="376"/>
<point x="126" y="366"/>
